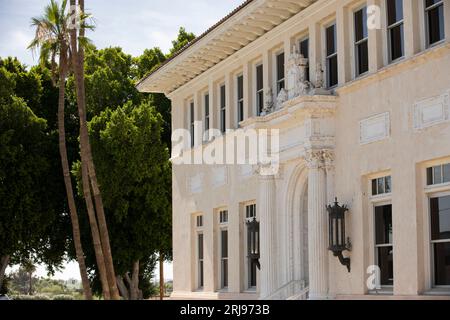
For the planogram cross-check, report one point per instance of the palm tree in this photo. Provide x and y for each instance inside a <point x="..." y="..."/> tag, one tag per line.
<point x="88" y="168"/>
<point x="52" y="37"/>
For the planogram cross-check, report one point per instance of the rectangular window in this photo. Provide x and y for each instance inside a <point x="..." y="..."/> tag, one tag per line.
<point x="207" y="117"/>
<point x="384" y="244"/>
<point x="223" y="216"/>
<point x="331" y="58"/>
<point x="438" y="174"/>
<point x="224" y="257"/>
<point x="199" y="221"/>
<point x="440" y="239"/>
<point x="434" y="16"/>
<point x="280" y="72"/>
<point x="250" y="213"/>
<point x="200" y="261"/>
<point x="222" y="109"/>
<point x="361" y="41"/>
<point x="304" y="51"/>
<point x="396" y="45"/>
<point x="259" y="89"/>
<point x="240" y="98"/>
<point x="382" y="185"/>
<point x="192" y="121"/>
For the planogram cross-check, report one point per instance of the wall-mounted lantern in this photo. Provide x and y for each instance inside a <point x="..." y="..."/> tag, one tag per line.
<point x="336" y="233"/>
<point x="253" y="241"/>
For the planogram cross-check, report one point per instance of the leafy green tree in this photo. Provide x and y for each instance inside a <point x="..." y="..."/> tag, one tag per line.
<point x="183" y="39"/>
<point x="27" y="213"/>
<point x="133" y="169"/>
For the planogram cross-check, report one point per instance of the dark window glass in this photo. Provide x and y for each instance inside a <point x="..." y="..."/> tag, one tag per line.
<point x="240" y="96"/>
<point x="395" y="11"/>
<point x="396" y="42"/>
<point x="332" y="71"/>
<point x="388" y="184"/>
<point x="386" y="264"/>
<point x="362" y="51"/>
<point x="374" y="187"/>
<point x="224" y="241"/>
<point x="435" y="21"/>
<point x="224" y="273"/>
<point x="442" y="264"/>
<point x="192" y="119"/>
<point x="332" y="61"/>
<point x="361" y="24"/>
<point x="222" y="109"/>
<point x="331" y="40"/>
<point x="200" y="246"/>
<point x="383" y="224"/>
<point x="446" y="172"/>
<point x="200" y="258"/>
<point x="440" y="218"/>
<point x="437" y="175"/>
<point x="380" y="186"/>
<point x="361" y="41"/>
<point x="304" y="50"/>
<point x="206" y="114"/>
<point x="280" y="72"/>
<point x="259" y="89"/>
<point x="429" y="176"/>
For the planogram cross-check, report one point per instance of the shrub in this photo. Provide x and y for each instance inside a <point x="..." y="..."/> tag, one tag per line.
<point x="27" y="297"/>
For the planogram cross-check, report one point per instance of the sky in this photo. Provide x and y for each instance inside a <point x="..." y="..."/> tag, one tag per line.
<point x="134" y="25"/>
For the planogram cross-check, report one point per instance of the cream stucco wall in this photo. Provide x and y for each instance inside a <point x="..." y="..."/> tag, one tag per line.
<point x="404" y="154"/>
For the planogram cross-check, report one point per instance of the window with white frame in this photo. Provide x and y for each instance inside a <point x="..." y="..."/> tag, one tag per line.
<point x="331" y="56"/>
<point x="259" y="89"/>
<point x="361" y="41"/>
<point x="192" y="122"/>
<point x="384" y="255"/>
<point x="207" y="116"/>
<point x="200" y="260"/>
<point x="395" y="29"/>
<point x="240" y="98"/>
<point x="440" y="240"/>
<point x="250" y="214"/>
<point x="223" y="216"/>
<point x="199" y="221"/>
<point x="223" y="242"/>
<point x="223" y="122"/>
<point x="438" y="174"/>
<point x="304" y="51"/>
<point x="434" y="21"/>
<point x="381" y="186"/>
<point x="280" y="71"/>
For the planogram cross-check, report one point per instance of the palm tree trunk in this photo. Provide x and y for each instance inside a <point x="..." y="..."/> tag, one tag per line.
<point x="86" y="157"/>
<point x="67" y="179"/>
<point x="161" y="276"/>
<point x="4" y="261"/>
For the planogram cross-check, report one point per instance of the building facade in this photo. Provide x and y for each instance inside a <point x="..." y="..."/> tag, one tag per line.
<point x="358" y="93"/>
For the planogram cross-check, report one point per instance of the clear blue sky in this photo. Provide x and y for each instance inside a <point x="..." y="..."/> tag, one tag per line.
<point x="133" y="25"/>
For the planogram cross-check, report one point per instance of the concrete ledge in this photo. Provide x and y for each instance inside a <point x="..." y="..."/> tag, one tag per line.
<point x="391" y="297"/>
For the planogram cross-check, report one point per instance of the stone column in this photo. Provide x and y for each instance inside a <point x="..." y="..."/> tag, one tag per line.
<point x="317" y="226"/>
<point x="266" y="207"/>
<point x="343" y="45"/>
<point x="375" y="35"/>
<point x="411" y="27"/>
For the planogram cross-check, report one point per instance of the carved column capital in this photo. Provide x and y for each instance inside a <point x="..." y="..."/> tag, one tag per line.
<point x="328" y="157"/>
<point x="314" y="158"/>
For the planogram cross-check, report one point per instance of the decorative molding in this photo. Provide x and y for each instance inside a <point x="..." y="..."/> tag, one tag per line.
<point x="219" y="176"/>
<point x="195" y="183"/>
<point x="375" y="128"/>
<point x="431" y="111"/>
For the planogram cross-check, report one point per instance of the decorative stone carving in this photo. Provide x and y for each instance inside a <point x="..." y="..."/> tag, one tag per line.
<point x="268" y="105"/>
<point x="314" y="158"/>
<point x="431" y="111"/>
<point x="282" y="98"/>
<point x="375" y="128"/>
<point x="297" y="84"/>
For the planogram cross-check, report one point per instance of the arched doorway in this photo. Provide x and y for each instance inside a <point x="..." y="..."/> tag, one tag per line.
<point x="297" y="204"/>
